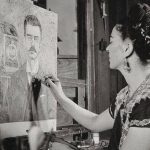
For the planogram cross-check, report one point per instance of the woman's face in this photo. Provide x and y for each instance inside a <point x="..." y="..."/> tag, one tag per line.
<point x="115" y="49"/>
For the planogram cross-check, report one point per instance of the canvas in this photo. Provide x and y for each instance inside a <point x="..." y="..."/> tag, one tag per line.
<point x="20" y="47"/>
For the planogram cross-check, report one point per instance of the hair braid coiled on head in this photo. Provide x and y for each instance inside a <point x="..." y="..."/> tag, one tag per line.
<point x="139" y="30"/>
<point x="137" y="27"/>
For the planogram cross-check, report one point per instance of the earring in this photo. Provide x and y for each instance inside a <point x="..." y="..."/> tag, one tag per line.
<point x="126" y="65"/>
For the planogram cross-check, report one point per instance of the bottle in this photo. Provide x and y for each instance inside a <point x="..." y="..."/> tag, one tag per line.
<point x="96" y="138"/>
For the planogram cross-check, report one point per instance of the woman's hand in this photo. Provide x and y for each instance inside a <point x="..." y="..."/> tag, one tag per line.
<point x="54" y="84"/>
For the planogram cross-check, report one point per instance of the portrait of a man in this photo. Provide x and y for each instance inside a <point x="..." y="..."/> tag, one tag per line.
<point x="30" y="101"/>
<point x="28" y="48"/>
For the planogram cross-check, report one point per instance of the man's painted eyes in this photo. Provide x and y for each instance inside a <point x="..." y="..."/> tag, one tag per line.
<point x="30" y="38"/>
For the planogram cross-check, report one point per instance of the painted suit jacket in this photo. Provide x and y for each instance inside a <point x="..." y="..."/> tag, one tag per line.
<point x="18" y="103"/>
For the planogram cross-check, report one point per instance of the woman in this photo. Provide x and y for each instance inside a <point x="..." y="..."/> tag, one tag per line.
<point x="129" y="116"/>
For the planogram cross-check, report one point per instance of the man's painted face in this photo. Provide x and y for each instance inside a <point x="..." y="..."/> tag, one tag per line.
<point x="32" y="41"/>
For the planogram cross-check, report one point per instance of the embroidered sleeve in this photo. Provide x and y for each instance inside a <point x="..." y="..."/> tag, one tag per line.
<point x="112" y="109"/>
<point x="116" y="104"/>
<point x="140" y="116"/>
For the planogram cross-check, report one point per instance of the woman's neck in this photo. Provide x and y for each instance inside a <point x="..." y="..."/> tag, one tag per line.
<point x="135" y="77"/>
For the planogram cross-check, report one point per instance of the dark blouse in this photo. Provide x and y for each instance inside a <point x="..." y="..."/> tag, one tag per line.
<point x="129" y="112"/>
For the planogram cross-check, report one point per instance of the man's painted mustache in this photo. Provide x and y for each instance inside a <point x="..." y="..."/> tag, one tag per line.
<point x="32" y="49"/>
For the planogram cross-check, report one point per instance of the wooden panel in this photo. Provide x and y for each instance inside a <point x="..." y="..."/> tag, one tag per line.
<point x="63" y="118"/>
<point x="69" y="82"/>
<point x="90" y="66"/>
<point x="103" y="82"/>
<point x="67" y="68"/>
<point x="78" y="96"/>
<point x="69" y="92"/>
<point x="81" y="96"/>
<point x="102" y="72"/>
<point x="75" y="90"/>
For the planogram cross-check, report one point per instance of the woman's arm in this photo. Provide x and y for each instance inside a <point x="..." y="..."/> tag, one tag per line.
<point x="88" y="119"/>
<point x="137" y="139"/>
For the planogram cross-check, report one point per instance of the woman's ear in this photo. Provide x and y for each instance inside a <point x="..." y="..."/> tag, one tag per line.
<point x="128" y="47"/>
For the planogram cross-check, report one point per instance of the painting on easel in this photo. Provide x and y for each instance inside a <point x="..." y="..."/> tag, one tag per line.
<point x="28" y="47"/>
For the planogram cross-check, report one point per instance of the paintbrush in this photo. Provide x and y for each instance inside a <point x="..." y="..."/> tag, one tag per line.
<point x="44" y="79"/>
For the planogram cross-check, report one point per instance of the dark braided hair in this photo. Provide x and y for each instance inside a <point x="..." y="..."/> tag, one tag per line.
<point x="137" y="27"/>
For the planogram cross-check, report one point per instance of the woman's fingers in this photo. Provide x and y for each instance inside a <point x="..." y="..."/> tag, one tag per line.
<point x="49" y="79"/>
<point x="52" y="77"/>
<point x="50" y="82"/>
<point x="54" y="84"/>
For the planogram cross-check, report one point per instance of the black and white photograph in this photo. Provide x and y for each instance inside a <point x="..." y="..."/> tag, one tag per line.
<point x="74" y="74"/>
